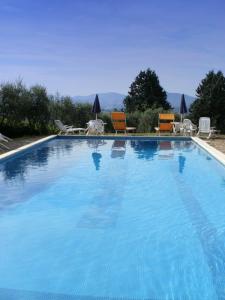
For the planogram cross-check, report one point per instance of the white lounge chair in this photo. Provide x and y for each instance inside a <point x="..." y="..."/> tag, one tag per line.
<point x="4" y="138"/>
<point x="204" y="127"/>
<point x="67" y="129"/>
<point x="189" y="127"/>
<point x="4" y="146"/>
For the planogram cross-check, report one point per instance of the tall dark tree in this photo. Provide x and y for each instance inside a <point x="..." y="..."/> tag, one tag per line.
<point x="210" y="101"/>
<point x="146" y="92"/>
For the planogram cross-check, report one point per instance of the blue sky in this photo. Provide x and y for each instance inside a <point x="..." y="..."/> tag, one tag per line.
<point x="78" y="47"/>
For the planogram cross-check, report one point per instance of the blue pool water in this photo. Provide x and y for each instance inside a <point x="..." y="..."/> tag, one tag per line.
<point x="123" y="219"/>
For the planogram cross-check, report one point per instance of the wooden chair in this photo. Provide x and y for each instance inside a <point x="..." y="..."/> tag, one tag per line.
<point x="165" y="123"/>
<point x="119" y="122"/>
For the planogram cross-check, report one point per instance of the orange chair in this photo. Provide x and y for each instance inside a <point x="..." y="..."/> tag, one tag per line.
<point x="165" y="123"/>
<point x="119" y="122"/>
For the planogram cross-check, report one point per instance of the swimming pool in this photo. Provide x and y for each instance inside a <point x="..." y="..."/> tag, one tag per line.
<point x="112" y="219"/>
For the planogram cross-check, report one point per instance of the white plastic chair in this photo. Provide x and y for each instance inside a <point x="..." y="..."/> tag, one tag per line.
<point x="189" y="127"/>
<point x="177" y="128"/>
<point x="204" y="127"/>
<point x="95" y="127"/>
<point x="67" y="129"/>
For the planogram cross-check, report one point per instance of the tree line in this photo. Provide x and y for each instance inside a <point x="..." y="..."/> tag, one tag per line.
<point x="28" y="111"/>
<point x="146" y="94"/>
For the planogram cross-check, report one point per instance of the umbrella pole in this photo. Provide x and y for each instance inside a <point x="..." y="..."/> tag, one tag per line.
<point x="96" y="116"/>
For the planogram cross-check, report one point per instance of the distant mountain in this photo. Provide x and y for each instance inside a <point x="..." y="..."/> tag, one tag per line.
<point x="174" y="99"/>
<point x="112" y="100"/>
<point x="108" y="101"/>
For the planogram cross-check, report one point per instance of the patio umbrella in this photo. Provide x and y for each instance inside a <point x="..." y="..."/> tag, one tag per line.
<point x="96" y="109"/>
<point x="183" y="107"/>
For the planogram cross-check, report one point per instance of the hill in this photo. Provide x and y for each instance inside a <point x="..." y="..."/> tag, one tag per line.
<point x="112" y="100"/>
<point x="108" y="101"/>
<point x="174" y="99"/>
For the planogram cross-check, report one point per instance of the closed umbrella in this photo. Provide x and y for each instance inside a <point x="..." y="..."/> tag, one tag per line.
<point x="183" y="107"/>
<point x="96" y="109"/>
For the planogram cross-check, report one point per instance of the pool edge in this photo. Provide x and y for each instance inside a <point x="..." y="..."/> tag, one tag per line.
<point x="218" y="155"/>
<point x="124" y="137"/>
<point x="25" y="147"/>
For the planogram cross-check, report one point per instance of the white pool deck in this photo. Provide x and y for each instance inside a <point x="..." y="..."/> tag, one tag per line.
<point x="211" y="150"/>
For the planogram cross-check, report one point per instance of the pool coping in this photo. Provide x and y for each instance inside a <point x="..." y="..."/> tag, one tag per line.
<point x="25" y="147"/>
<point x="218" y="155"/>
<point x="125" y="137"/>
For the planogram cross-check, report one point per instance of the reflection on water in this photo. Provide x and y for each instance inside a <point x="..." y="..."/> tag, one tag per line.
<point x="166" y="150"/>
<point x="163" y="150"/>
<point x="118" y="149"/>
<point x="96" y="156"/>
<point x="145" y="149"/>
<point x="18" y="178"/>
<point x="181" y="160"/>
<point x="12" y="170"/>
<point x="103" y="212"/>
<point x="95" y="143"/>
<point x="185" y="146"/>
<point x="16" y="168"/>
<point x="96" y="159"/>
<point x="23" y="181"/>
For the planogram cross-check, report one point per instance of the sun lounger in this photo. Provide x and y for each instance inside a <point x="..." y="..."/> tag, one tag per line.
<point x="119" y="122"/>
<point x="67" y="129"/>
<point x="165" y="123"/>
<point x="4" y="139"/>
<point x="204" y="127"/>
<point x="4" y="146"/>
